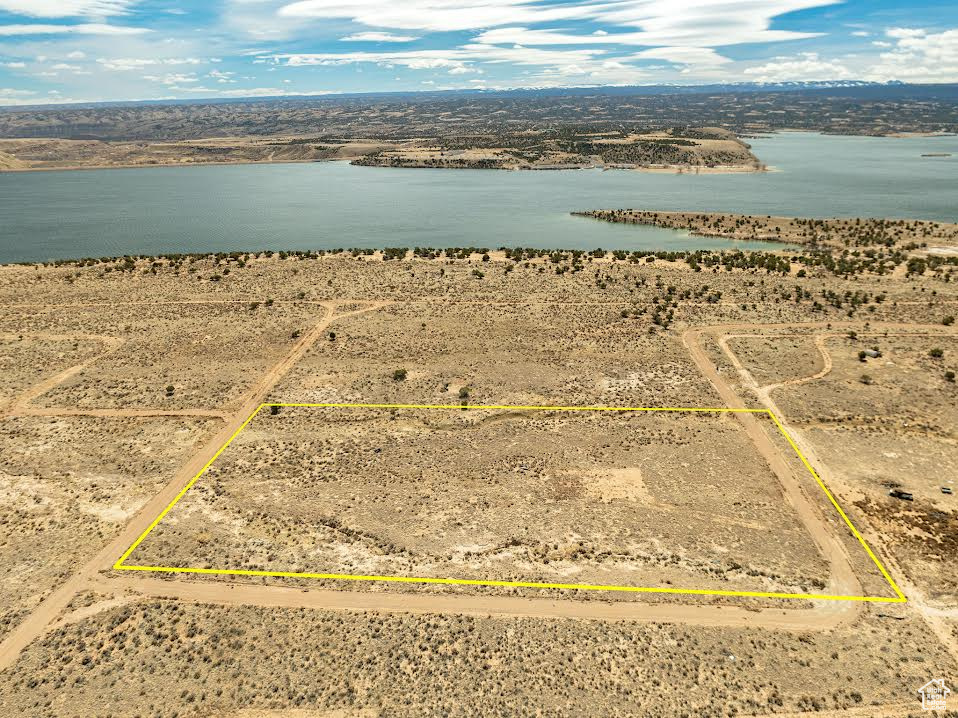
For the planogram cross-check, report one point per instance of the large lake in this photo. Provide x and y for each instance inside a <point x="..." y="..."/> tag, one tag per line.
<point x="48" y="215"/>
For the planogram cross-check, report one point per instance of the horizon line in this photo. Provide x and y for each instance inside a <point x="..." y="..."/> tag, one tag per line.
<point x="783" y="86"/>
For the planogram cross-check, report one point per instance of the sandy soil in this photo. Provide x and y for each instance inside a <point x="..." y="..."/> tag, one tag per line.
<point x="339" y="327"/>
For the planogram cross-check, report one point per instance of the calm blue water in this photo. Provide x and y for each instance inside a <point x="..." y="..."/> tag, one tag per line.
<point x="48" y="215"/>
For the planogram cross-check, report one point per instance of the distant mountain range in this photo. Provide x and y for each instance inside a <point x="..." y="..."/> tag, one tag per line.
<point x="837" y="88"/>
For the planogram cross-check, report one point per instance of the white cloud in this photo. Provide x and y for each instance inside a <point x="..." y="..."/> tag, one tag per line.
<point x="10" y="93"/>
<point x="222" y="76"/>
<point x="805" y="66"/>
<point x="192" y="88"/>
<point x="66" y="8"/>
<point x="89" y="28"/>
<point x="378" y="37"/>
<point x="173" y="79"/>
<point x="918" y="56"/>
<point x="125" y="64"/>
<point x="861" y="33"/>
<point x="14" y="65"/>
<point x="704" y="23"/>
<point x="699" y="56"/>
<point x="28" y="97"/>
<point x="511" y="32"/>
<point x="904" y="32"/>
<point x="65" y="66"/>
<point x="268" y="92"/>
<point x="459" y="59"/>
<point x="434" y="15"/>
<point x="686" y="37"/>
<point x="908" y="55"/>
<point x="550" y="67"/>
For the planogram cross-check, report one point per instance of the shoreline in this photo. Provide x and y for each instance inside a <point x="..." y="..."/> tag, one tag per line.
<point x="651" y="169"/>
<point x="835" y="233"/>
<point x="712" y="151"/>
<point x="164" y="165"/>
<point x="655" y="169"/>
<point x="824" y="133"/>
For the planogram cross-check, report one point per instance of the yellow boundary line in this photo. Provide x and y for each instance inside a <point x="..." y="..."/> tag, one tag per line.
<point x="899" y="596"/>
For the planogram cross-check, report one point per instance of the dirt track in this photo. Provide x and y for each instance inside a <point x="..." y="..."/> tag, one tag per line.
<point x="42" y="387"/>
<point x="842" y="579"/>
<point x="50" y="608"/>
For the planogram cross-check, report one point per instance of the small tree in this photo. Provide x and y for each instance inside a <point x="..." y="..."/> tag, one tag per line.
<point x="867" y="380"/>
<point x="862" y="356"/>
<point x="950" y="376"/>
<point x="936" y="353"/>
<point x="170" y="389"/>
<point x="332" y="336"/>
<point x="399" y="375"/>
<point x="948" y="321"/>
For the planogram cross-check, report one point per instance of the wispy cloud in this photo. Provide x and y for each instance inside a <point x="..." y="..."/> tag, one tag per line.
<point x="9" y="93"/>
<point x="436" y="15"/>
<point x="454" y="58"/>
<point x="704" y="23"/>
<point x="66" y="8"/>
<point x="89" y="28"/>
<point x="125" y="64"/>
<point x="378" y="37"/>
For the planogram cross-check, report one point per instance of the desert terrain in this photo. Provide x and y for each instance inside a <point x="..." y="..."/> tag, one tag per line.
<point x="884" y="110"/>
<point x="688" y="149"/>
<point x="163" y="474"/>
<point x="678" y="149"/>
<point x="886" y="241"/>
<point x="663" y="129"/>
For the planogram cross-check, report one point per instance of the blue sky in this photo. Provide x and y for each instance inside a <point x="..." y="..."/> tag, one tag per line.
<point x="88" y="50"/>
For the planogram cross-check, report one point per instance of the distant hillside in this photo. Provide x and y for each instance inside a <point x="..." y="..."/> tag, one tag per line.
<point x="838" y="108"/>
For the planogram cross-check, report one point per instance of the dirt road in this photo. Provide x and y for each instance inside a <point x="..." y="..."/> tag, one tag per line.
<point x="477" y="604"/>
<point x="42" y="387"/>
<point x="842" y="578"/>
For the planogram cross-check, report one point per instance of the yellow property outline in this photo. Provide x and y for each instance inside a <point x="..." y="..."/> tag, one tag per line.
<point x="899" y="596"/>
